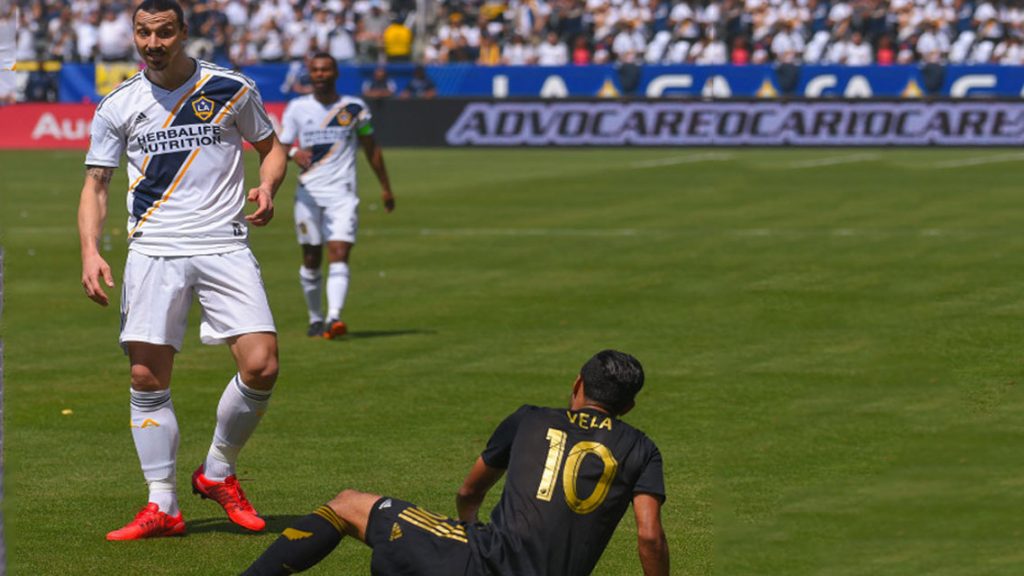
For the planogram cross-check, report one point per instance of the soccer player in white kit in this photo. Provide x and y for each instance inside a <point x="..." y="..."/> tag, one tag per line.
<point x="324" y="129"/>
<point x="181" y="123"/>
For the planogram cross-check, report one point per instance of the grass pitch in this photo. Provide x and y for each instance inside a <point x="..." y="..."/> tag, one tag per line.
<point x="831" y="337"/>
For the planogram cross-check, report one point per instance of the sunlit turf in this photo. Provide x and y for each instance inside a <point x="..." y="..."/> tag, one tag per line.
<point x="831" y="338"/>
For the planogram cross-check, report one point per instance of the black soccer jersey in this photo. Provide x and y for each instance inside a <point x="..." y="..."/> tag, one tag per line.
<point x="570" y="477"/>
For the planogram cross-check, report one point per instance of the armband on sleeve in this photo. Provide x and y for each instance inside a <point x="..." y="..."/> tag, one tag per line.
<point x="366" y="130"/>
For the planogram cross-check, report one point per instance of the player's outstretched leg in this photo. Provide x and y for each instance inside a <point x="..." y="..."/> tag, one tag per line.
<point x="311" y="538"/>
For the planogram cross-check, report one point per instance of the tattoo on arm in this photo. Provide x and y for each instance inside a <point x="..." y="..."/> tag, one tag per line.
<point x="99" y="173"/>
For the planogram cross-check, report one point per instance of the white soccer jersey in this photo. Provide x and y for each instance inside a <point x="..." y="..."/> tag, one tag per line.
<point x="185" y="168"/>
<point x="330" y="132"/>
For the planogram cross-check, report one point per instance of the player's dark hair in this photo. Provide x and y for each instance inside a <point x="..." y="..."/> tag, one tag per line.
<point x="154" y="6"/>
<point x="612" y="379"/>
<point x="326" y="56"/>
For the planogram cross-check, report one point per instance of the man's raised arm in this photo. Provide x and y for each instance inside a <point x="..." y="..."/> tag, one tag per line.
<point x="92" y="214"/>
<point x="651" y="542"/>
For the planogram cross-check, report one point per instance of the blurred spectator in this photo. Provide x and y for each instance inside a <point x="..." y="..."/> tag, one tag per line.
<point x="298" y="37"/>
<point x="1009" y="52"/>
<point x="490" y="53"/>
<point x="271" y="42"/>
<point x="397" y="39"/>
<point x="932" y="45"/>
<point x="709" y="50"/>
<point x="628" y="42"/>
<point x="858" y="52"/>
<point x="518" y="53"/>
<point x="25" y="45"/>
<point x="885" y="55"/>
<point x="115" y="35"/>
<point x="87" y="36"/>
<point x="340" y="42"/>
<point x="244" y="51"/>
<point x="740" y="53"/>
<point x="370" y="31"/>
<point x="420" y="86"/>
<point x="520" y="32"/>
<point x="42" y="84"/>
<point x="580" y="51"/>
<point x="379" y="86"/>
<point x="787" y="46"/>
<point x="553" y="52"/>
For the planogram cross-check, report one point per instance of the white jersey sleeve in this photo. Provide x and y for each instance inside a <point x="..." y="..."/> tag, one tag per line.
<point x="252" y="119"/>
<point x="364" y="118"/>
<point x="107" y="142"/>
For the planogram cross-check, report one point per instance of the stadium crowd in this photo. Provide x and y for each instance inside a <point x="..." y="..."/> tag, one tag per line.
<point x="549" y="32"/>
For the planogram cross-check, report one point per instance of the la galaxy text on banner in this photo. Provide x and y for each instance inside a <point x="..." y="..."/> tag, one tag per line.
<point x="90" y="82"/>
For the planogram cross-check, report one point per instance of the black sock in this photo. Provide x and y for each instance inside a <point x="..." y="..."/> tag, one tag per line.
<point x="309" y="540"/>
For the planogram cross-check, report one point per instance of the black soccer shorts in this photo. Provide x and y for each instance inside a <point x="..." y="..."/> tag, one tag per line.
<point x="410" y="541"/>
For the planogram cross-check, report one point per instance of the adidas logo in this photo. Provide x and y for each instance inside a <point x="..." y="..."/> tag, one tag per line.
<point x="396" y="532"/>
<point x="139" y="119"/>
<point x="385" y="504"/>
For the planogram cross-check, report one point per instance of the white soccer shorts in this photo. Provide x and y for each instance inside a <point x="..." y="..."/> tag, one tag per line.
<point x="157" y="292"/>
<point x="317" y="221"/>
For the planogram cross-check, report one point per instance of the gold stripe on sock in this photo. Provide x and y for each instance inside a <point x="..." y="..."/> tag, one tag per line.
<point x="328" y="514"/>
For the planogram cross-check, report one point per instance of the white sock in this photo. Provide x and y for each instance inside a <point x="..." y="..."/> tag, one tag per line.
<point x="312" y="289"/>
<point x="155" y="432"/>
<point x="164" y="494"/>
<point x="238" y="413"/>
<point x="337" y="288"/>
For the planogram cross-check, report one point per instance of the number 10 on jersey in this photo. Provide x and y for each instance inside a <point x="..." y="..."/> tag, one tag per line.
<point x="573" y="462"/>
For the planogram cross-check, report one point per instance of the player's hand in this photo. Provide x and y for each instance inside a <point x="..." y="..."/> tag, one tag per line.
<point x="303" y="157"/>
<point x="95" y="268"/>
<point x="264" y="206"/>
<point x="388" y="199"/>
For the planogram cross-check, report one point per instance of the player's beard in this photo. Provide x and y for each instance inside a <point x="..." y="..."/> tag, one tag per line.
<point x="157" y="59"/>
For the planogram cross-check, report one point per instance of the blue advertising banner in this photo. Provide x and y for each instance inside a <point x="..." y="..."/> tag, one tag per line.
<point x="86" y="83"/>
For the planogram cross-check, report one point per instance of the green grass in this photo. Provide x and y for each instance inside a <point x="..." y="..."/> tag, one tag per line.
<point x="833" y="355"/>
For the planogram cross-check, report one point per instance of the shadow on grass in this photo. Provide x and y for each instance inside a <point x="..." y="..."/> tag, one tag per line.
<point x="385" y="334"/>
<point x="275" y="524"/>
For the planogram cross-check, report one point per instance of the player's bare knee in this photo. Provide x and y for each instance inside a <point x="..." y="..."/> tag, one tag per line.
<point x="261" y="375"/>
<point x="144" y="380"/>
<point x="338" y="252"/>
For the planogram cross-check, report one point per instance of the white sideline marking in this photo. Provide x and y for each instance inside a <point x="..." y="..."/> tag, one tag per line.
<point x="706" y="157"/>
<point x="789" y="233"/>
<point x="979" y="160"/>
<point x="833" y="160"/>
<point x="528" y="232"/>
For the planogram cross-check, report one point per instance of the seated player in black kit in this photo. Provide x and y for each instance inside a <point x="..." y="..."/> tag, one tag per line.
<point x="571" y="475"/>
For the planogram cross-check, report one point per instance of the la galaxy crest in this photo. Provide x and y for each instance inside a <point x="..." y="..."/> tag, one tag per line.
<point x="344" y="118"/>
<point x="203" y="107"/>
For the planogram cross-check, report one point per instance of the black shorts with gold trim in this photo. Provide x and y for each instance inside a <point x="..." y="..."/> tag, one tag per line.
<point x="408" y="540"/>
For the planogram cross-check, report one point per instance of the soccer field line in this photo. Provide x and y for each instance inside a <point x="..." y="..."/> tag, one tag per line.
<point x="833" y="161"/>
<point x="702" y="157"/>
<point x="979" y="160"/>
<point x="688" y="232"/>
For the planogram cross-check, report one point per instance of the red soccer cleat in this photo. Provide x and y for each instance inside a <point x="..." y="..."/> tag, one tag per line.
<point x="230" y="496"/>
<point x="335" y="329"/>
<point x="150" y="522"/>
